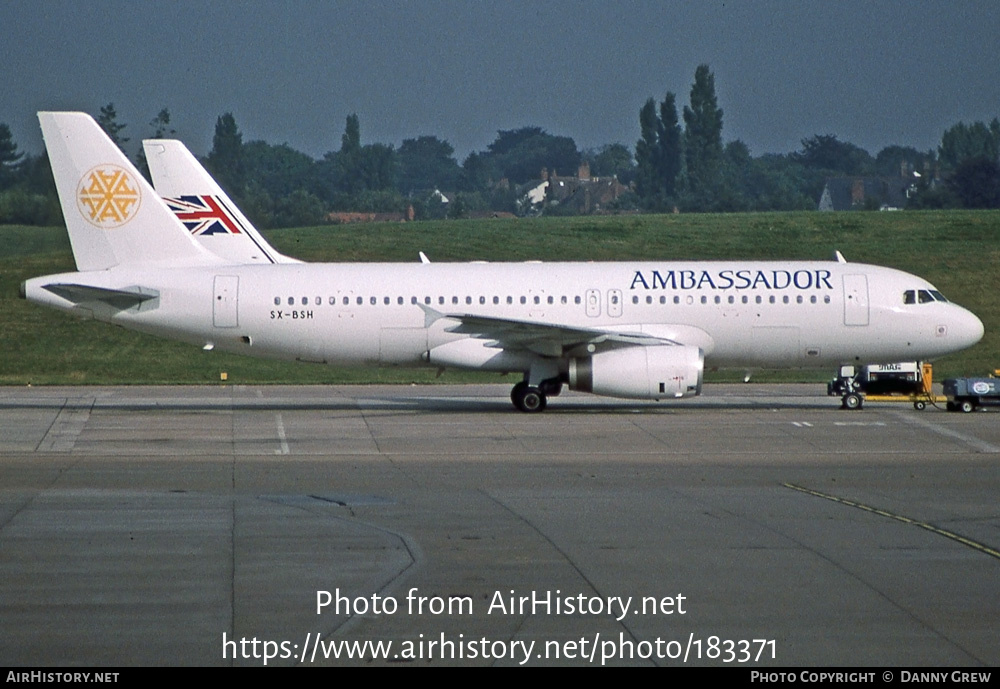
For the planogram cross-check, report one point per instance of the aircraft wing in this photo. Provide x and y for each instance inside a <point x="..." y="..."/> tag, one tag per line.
<point x="546" y="339"/>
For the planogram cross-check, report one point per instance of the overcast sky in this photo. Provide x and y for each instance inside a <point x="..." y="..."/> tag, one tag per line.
<point x="873" y="73"/>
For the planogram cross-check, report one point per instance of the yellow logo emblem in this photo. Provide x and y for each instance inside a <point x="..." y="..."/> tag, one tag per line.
<point x="108" y="196"/>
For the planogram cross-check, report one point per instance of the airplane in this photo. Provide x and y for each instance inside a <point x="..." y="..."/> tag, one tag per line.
<point x="642" y="329"/>
<point x="203" y="207"/>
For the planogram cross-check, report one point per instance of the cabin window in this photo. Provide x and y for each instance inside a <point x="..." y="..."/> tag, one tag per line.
<point x="771" y="298"/>
<point x="732" y="299"/>
<point x="677" y="299"/>
<point x="468" y="299"/>
<point x="704" y="299"/>
<point x="649" y="299"/>
<point x="524" y="300"/>
<point x="562" y="299"/>
<point x="413" y="300"/>
<point x="576" y="299"/>
<point x="663" y="299"/>
<point x="386" y="301"/>
<point x="373" y="300"/>
<point x="537" y="299"/>
<point x="399" y="300"/>
<point x="482" y="300"/>
<point x="440" y="301"/>
<point x="291" y="301"/>
<point x="785" y="299"/>
<point x="812" y="299"/>
<point x="454" y="299"/>
<point x="427" y="300"/>
<point x="759" y="299"/>
<point x="277" y="301"/>
<point x="496" y="300"/>
<point x="826" y="299"/>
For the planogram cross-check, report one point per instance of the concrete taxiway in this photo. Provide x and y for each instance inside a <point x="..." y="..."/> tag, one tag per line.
<point x="758" y="525"/>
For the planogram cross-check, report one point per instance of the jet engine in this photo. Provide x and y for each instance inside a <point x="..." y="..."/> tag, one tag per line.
<point x="638" y="372"/>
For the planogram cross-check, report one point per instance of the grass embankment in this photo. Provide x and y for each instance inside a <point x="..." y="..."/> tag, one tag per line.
<point x="955" y="250"/>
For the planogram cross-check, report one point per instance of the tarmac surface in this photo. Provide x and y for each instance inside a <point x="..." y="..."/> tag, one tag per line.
<point x="757" y="525"/>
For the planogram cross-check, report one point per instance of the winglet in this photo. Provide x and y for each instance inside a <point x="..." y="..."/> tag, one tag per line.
<point x="839" y="257"/>
<point x="423" y="258"/>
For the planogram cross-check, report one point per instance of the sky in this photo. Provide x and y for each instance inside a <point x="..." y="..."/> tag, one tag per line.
<point x="872" y="73"/>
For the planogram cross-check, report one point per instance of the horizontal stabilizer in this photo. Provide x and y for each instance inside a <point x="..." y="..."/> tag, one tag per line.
<point x="117" y="299"/>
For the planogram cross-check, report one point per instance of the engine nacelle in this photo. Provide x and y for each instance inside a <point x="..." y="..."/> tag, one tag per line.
<point x="655" y="372"/>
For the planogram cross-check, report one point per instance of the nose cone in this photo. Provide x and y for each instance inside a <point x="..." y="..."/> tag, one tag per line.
<point x="966" y="330"/>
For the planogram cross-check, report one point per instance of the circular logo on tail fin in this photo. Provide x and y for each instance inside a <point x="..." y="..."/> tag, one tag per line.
<point x="108" y="196"/>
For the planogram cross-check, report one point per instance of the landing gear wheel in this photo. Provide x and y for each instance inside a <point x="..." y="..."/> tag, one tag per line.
<point x="528" y="399"/>
<point x="852" y="401"/>
<point x="966" y="406"/>
<point x="517" y="391"/>
<point x="919" y="405"/>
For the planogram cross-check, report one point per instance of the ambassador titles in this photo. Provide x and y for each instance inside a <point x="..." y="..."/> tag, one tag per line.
<point x="815" y="279"/>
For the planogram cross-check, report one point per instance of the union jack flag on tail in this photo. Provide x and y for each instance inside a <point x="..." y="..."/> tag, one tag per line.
<point x="204" y="215"/>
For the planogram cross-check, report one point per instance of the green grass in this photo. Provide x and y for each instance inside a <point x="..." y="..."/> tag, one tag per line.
<point x="958" y="251"/>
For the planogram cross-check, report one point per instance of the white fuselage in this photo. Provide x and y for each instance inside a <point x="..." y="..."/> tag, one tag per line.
<point x="744" y="314"/>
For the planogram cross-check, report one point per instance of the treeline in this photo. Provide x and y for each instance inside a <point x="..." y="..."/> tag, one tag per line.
<point x="680" y="162"/>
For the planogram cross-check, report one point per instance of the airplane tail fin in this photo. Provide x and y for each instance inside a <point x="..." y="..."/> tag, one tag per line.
<point x="112" y="214"/>
<point x="203" y="207"/>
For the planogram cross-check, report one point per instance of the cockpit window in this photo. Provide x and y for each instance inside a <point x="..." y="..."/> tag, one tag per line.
<point x="922" y="296"/>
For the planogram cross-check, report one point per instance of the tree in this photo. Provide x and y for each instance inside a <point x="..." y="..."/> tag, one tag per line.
<point x="279" y="170"/>
<point x="658" y="154"/>
<point x="10" y="157"/>
<point x="108" y="119"/>
<point x="891" y="161"/>
<point x="824" y="152"/>
<point x="976" y="182"/>
<point x="612" y="160"/>
<point x="963" y="142"/>
<point x="703" y="153"/>
<point x="519" y="155"/>
<point x="225" y="160"/>
<point x="427" y="163"/>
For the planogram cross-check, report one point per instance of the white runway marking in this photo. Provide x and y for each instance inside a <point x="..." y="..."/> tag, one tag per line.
<point x="281" y="435"/>
<point x="972" y="441"/>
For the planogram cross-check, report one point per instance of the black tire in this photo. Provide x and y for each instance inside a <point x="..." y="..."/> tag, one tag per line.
<point x="967" y="406"/>
<point x="529" y="400"/>
<point x="517" y="391"/>
<point x="919" y="405"/>
<point x="950" y="406"/>
<point x="853" y="401"/>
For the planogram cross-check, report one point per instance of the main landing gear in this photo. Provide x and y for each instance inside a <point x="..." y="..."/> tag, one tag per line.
<point x="531" y="399"/>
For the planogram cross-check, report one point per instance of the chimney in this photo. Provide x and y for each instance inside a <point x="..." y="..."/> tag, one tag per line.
<point x="584" y="171"/>
<point x="858" y="192"/>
